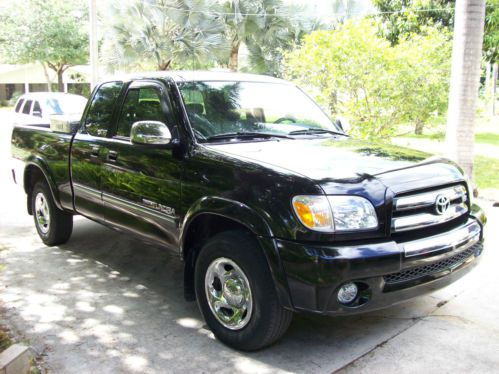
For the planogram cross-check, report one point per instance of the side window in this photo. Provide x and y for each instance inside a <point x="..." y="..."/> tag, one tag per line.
<point x="141" y="104"/>
<point x="37" y="110"/>
<point x="100" y="113"/>
<point x="19" y="105"/>
<point x="194" y="101"/>
<point x="27" y="107"/>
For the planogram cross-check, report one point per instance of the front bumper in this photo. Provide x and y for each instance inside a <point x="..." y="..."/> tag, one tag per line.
<point x="386" y="272"/>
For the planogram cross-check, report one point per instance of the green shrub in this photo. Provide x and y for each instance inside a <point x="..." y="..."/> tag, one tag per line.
<point x="358" y="75"/>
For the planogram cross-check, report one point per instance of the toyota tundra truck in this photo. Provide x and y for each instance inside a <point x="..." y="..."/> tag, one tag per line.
<point x="271" y="206"/>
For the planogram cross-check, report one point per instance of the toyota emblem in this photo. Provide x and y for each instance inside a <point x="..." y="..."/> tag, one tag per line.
<point x="442" y="203"/>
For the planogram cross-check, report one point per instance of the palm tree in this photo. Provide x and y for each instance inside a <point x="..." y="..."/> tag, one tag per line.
<point x="163" y="31"/>
<point x="254" y="23"/>
<point x="465" y="79"/>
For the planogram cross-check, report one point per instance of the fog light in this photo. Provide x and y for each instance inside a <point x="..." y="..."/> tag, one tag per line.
<point x="347" y="293"/>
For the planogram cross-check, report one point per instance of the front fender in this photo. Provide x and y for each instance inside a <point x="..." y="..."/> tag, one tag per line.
<point x="227" y="208"/>
<point x="249" y="218"/>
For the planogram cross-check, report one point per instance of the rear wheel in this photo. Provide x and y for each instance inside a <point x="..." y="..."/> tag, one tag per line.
<point x="54" y="226"/>
<point x="236" y="294"/>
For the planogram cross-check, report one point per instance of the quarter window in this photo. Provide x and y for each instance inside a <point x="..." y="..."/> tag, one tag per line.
<point x="37" y="110"/>
<point x="141" y="104"/>
<point x="100" y="114"/>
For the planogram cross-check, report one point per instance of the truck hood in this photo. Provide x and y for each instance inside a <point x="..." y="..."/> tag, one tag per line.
<point x="325" y="158"/>
<point x="342" y="159"/>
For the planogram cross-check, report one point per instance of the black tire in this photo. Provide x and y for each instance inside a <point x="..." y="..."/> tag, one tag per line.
<point x="268" y="320"/>
<point x="60" y="224"/>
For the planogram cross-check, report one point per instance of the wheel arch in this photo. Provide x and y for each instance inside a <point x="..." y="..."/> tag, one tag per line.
<point x="210" y="216"/>
<point x="34" y="171"/>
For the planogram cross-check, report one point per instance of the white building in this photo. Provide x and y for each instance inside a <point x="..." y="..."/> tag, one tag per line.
<point x="31" y="78"/>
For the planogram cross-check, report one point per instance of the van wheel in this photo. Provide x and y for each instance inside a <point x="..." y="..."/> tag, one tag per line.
<point x="236" y="293"/>
<point x="54" y="226"/>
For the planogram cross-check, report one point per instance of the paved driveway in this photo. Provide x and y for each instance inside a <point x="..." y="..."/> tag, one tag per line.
<point x="106" y="303"/>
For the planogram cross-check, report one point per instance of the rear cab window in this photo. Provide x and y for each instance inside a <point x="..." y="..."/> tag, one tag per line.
<point x="99" y="116"/>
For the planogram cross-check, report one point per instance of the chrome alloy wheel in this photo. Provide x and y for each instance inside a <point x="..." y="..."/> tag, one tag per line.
<point x="228" y="293"/>
<point x="42" y="213"/>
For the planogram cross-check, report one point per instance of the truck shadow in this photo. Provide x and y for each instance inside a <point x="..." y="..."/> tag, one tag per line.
<point x="118" y="304"/>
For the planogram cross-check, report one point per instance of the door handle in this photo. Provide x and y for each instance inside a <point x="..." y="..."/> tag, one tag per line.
<point x="112" y="156"/>
<point x="95" y="152"/>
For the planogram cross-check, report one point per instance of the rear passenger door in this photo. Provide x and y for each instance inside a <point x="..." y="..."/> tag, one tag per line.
<point x="88" y="150"/>
<point x="141" y="184"/>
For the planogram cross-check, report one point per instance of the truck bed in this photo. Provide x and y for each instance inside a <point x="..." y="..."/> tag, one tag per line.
<point x="39" y="145"/>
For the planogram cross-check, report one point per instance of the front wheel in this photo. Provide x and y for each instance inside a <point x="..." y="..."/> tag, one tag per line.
<point x="54" y="226"/>
<point x="236" y="294"/>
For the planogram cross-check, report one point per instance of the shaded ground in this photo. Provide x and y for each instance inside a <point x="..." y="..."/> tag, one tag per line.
<point x="106" y="303"/>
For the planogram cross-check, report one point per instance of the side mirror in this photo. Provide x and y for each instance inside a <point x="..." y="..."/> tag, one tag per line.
<point x="37" y="113"/>
<point x="343" y="124"/>
<point x="150" y="133"/>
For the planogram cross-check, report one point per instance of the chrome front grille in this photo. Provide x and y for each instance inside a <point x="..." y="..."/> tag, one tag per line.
<point x="429" y="208"/>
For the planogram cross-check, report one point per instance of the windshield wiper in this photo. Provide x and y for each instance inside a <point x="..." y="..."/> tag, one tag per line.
<point x="246" y="135"/>
<point x="312" y="131"/>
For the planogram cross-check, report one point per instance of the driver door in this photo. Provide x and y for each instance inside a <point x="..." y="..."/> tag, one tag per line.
<point x="141" y="183"/>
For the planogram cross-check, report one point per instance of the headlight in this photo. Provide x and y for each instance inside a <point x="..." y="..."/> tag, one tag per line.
<point x="352" y="213"/>
<point x="335" y="213"/>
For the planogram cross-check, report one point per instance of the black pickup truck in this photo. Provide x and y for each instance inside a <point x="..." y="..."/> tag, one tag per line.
<point x="272" y="207"/>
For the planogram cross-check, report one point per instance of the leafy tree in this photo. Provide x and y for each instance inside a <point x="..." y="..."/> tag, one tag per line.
<point x="359" y="75"/>
<point x="491" y="32"/>
<point x="401" y="17"/>
<point x="52" y="33"/>
<point x="164" y="31"/>
<point x="426" y="67"/>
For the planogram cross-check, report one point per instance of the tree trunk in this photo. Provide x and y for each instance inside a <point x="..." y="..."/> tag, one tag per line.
<point x="164" y="65"/>
<point x="488" y="74"/>
<point x="418" y="130"/>
<point x="234" y="55"/>
<point x="465" y="81"/>
<point x="47" y="77"/>
<point x="494" y="88"/>
<point x="60" y="80"/>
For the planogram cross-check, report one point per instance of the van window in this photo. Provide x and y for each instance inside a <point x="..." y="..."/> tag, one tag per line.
<point x="37" y="108"/>
<point x="19" y="105"/>
<point x="27" y="107"/>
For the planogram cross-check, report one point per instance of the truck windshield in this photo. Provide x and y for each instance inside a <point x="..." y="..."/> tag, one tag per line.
<point x="218" y="109"/>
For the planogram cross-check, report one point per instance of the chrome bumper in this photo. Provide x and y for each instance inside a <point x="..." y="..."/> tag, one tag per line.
<point x="462" y="237"/>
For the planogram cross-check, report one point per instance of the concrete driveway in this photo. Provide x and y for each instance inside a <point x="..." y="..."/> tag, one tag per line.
<point x="107" y="303"/>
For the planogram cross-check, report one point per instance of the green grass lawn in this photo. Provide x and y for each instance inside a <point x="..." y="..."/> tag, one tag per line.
<point x="486" y="172"/>
<point x="2" y="108"/>
<point x="480" y="138"/>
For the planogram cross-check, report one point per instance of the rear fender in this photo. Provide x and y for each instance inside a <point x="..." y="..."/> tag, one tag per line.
<point x="35" y="164"/>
